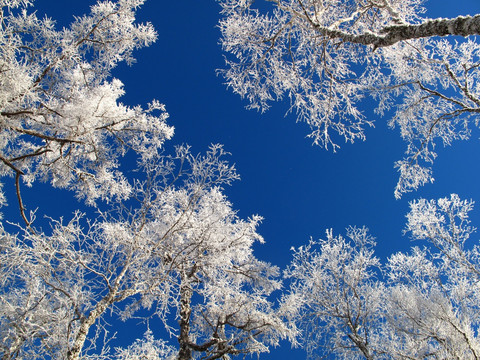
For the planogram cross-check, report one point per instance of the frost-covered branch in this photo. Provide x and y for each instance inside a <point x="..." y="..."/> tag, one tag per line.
<point x="61" y="117"/>
<point x="327" y="57"/>
<point x="420" y="304"/>
<point x="178" y="248"/>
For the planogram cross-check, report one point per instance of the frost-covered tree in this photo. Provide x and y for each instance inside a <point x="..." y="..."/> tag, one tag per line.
<point x="165" y="246"/>
<point x="420" y="305"/>
<point x="326" y="56"/>
<point x="181" y="255"/>
<point x="335" y="297"/>
<point x="148" y="348"/>
<point x="434" y="301"/>
<point x="61" y="119"/>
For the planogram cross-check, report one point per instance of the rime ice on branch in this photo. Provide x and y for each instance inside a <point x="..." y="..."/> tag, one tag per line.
<point x="326" y="56"/>
<point x="60" y="116"/>
<point x="421" y="304"/>
<point x="180" y="254"/>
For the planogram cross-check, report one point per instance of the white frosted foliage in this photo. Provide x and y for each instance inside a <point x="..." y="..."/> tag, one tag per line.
<point x="62" y="118"/>
<point x="327" y="57"/>
<point x="420" y="304"/>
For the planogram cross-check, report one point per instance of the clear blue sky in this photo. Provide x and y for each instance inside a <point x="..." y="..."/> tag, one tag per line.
<point x="299" y="189"/>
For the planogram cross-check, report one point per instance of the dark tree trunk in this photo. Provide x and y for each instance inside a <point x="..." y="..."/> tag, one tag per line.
<point x="185" y="351"/>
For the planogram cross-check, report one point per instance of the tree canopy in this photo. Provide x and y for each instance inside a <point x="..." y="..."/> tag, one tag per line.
<point x="156" y="239"/>
<point x="328" y="56"/>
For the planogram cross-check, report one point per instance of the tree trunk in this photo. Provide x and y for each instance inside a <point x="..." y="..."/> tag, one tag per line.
<point x="185" y="352"/>
<point x="75" y="351"/>
<point x="102" y="305"/>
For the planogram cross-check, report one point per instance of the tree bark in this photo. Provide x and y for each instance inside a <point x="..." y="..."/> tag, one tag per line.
<point x="75" y="351"/>
<point x="461" y="26"/>
<point x="185" y="352"/>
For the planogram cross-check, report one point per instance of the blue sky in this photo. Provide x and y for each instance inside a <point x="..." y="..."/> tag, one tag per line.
<point x="299" y="189"/>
